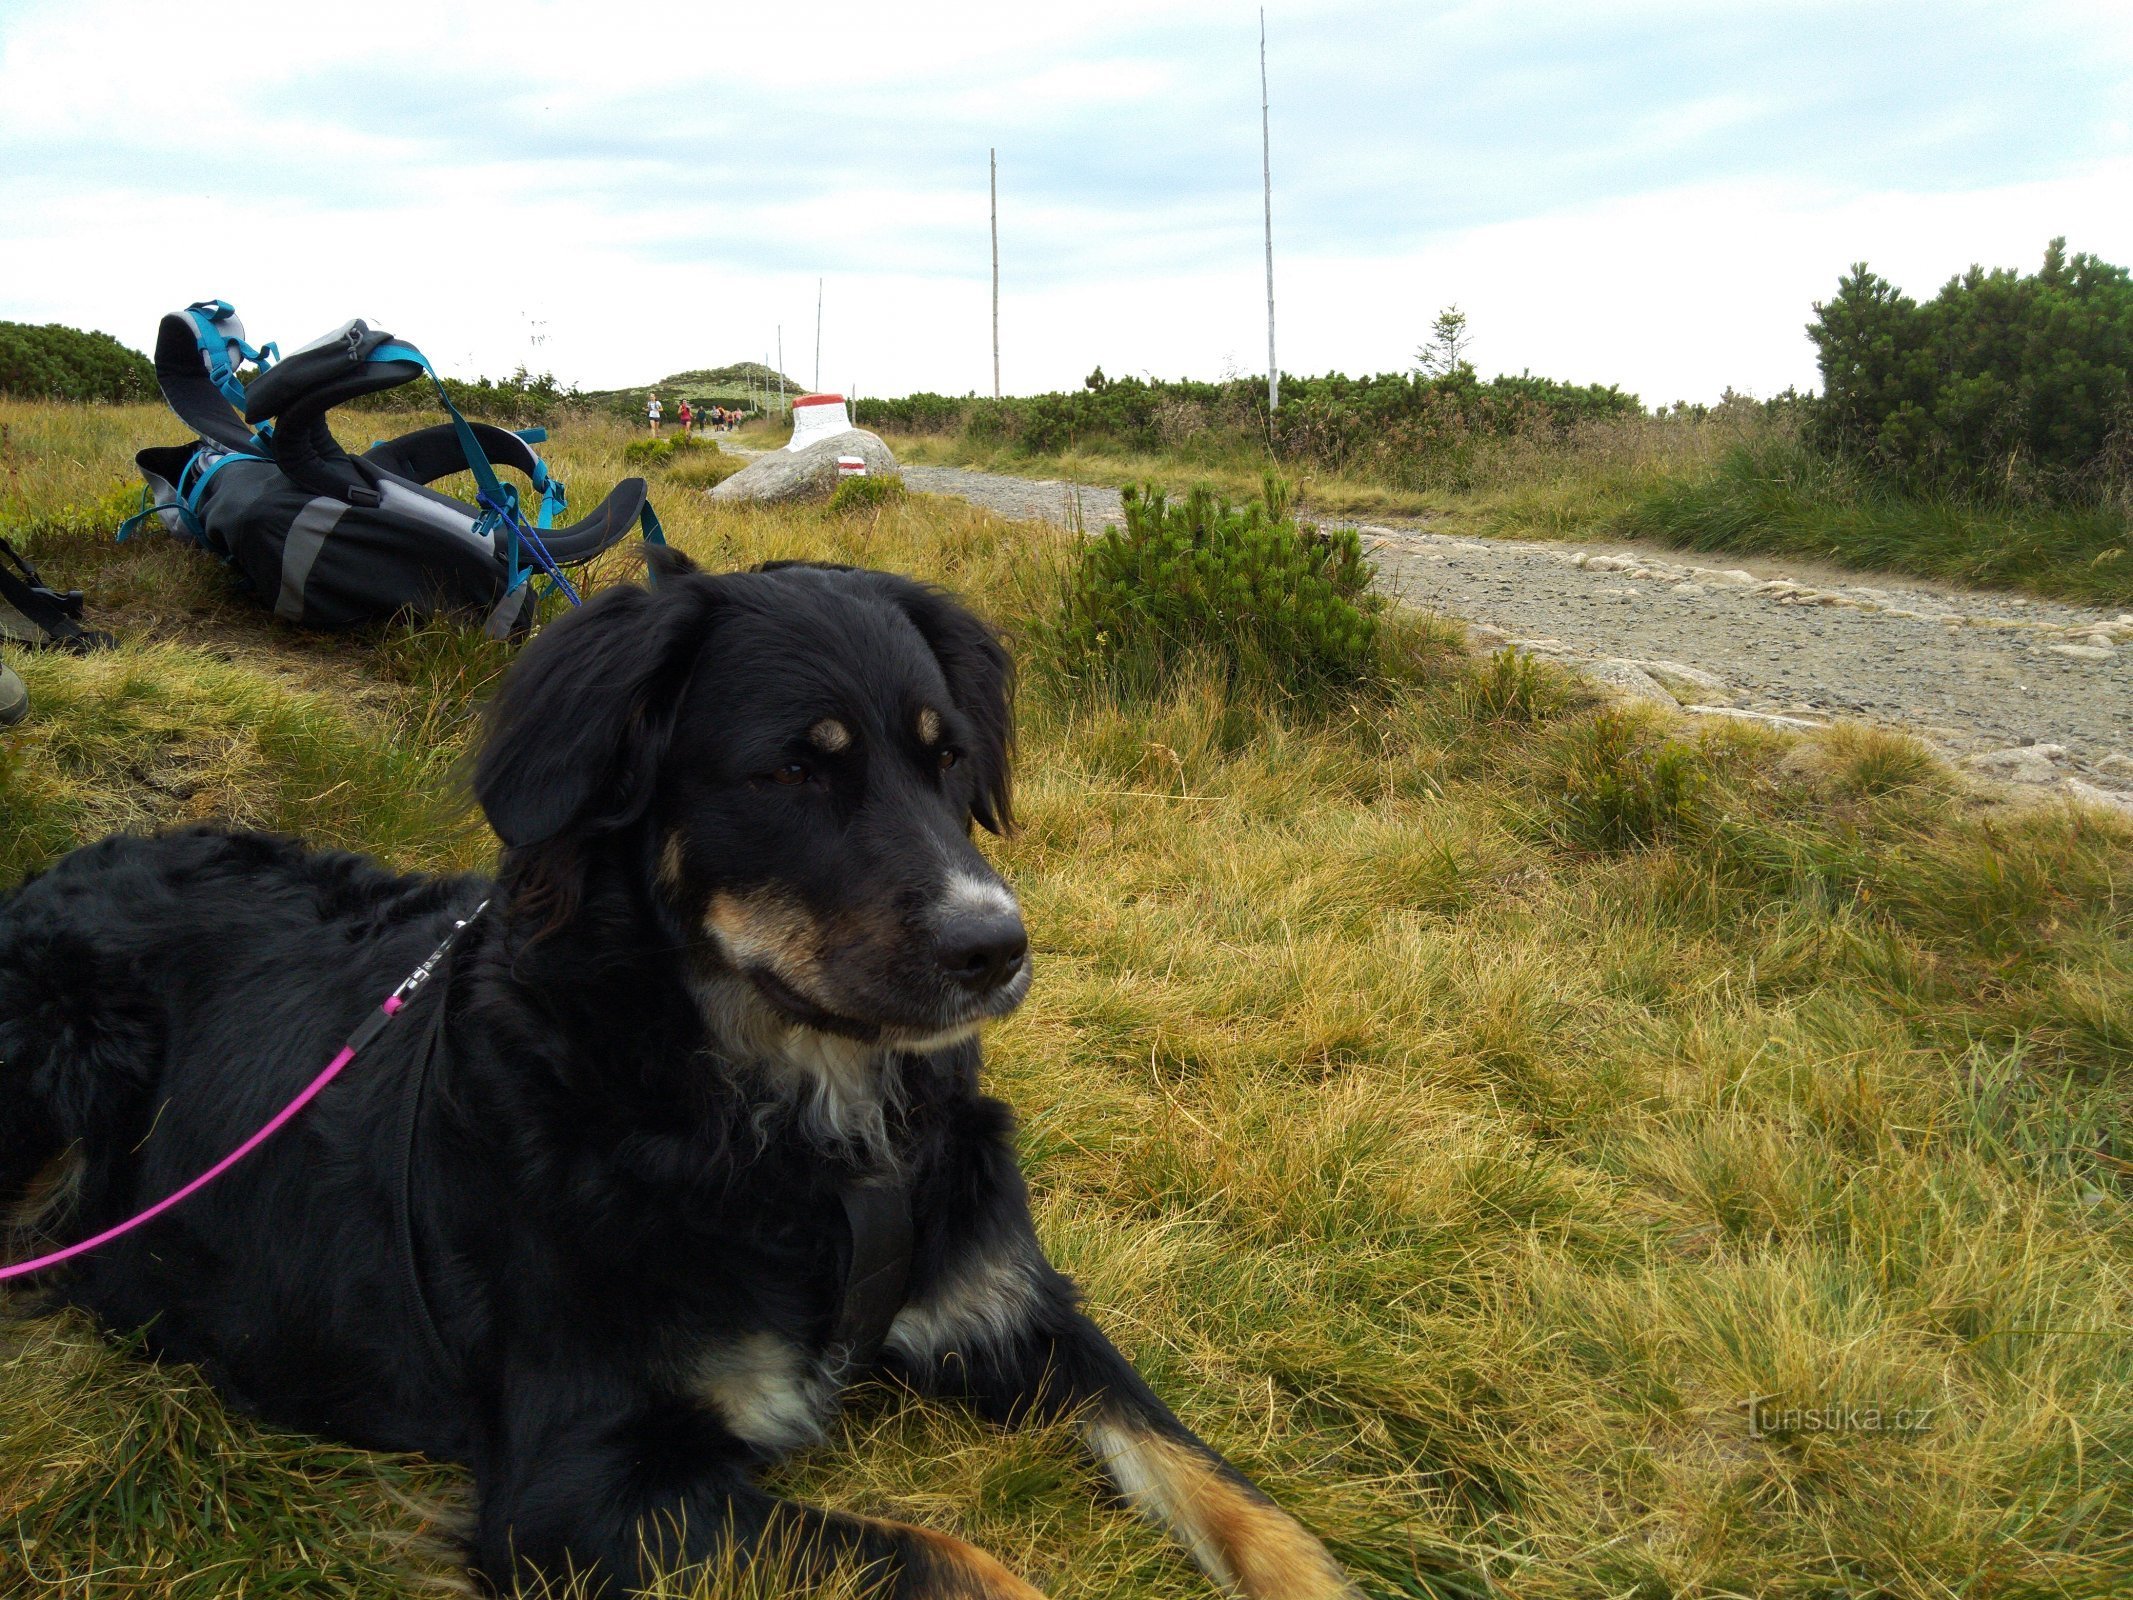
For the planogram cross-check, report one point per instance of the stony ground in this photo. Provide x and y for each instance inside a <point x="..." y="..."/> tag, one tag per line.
<point x="2029" y="691"/>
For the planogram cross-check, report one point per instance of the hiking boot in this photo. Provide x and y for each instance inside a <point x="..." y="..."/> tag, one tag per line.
<point x="14" y="697"/>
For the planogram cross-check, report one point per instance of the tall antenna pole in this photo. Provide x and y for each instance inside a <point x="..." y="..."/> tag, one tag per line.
<point x="818" y="335"/>
<point x="781" y="368"/>
<point x="1266" y="174"/>
<point x="993" y="160"/>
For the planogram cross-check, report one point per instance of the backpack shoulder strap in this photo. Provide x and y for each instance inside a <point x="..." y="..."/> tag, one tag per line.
<point x="198" y="351"/>
<point x="55" y="615"/>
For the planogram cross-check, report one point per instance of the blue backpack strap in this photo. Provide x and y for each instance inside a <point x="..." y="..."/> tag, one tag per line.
<point x="216" y="341"/>
<point x="497" y="498"/>
<point x="648" y="525"/>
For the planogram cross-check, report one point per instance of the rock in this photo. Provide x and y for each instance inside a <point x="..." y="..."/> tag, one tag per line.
<point x="1627" y="678"/>
<point x="1686" y="588"/>
<point x="809" y="473"/>
<point x="1606" y="564"/>
<point x="1579" y="559"/>
<point x="2029" y="763"/>
<point x="2084" y="652"/>
<point x="1724" y="578"/>
<point x="2117" y="764"/>
<point x="2090" y="794"/>
<point x="1767" y="718"/>
<point x="2016" y="754"/>
<point x="1687" y="683"/>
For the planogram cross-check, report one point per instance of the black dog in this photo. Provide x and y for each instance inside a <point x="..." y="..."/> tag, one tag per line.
<point x="685" y="1135"/>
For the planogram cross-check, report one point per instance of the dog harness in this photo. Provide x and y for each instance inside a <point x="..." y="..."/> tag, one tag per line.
<point x="877" y="1274"/>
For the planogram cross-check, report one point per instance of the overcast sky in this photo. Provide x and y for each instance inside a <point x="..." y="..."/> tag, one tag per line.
<point x="1651" y="194"/>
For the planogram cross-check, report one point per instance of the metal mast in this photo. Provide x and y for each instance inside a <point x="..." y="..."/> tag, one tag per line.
<point x="993" y="159"/>
<point x="1266" y="176"/>
<point x="818" y="336"/>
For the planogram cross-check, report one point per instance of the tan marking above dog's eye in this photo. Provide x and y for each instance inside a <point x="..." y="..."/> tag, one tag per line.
<point x="929" y="725"/>
<point x="829" y="734"/>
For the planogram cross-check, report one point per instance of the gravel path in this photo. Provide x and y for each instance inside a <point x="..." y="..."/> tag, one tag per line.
<point x="2030" y="691"/>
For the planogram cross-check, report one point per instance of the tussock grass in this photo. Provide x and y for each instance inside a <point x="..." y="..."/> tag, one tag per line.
<point x="1540" y="483"/>
<point x="1461" y="1101"/>
<point x="1735" y="478"/>
<point x="1776" y="497"/>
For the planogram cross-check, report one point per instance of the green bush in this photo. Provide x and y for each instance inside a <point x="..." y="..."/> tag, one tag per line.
<point x="1277" y="603"/>
<point x="1998" y="383"/>
<point x="524" y="399"/>
<point x="1404" y="429"/>
<point x="867" y="493"/>
<point x="51" y="362"/>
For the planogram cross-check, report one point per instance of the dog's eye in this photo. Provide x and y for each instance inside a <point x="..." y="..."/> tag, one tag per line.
<point x="948" y="759"/>
<point x="792" y="772"/>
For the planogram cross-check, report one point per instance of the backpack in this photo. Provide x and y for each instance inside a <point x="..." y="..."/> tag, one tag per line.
<point x="330" y="540"/>
<point x="34" y="613"/>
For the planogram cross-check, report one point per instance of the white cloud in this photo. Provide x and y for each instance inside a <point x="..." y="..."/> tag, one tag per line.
<point x="651" y="188"/>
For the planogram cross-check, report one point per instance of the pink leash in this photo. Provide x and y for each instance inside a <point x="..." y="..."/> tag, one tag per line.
<point x="365" y="1034"/>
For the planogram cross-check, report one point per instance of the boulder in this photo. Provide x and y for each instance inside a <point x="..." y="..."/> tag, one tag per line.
<point x="809" y="473"/>
<point x="1686" y="683"/>
<point x="1626" y="679"/>
<point x="2091" y="794"/>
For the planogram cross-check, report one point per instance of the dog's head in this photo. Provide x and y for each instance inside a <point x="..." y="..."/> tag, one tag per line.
<point x="792" y="758"/>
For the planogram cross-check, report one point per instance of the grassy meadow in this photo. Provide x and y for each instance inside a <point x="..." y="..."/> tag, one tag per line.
<point x="1556" y="1151"/>
<point x="1732" y="478"/>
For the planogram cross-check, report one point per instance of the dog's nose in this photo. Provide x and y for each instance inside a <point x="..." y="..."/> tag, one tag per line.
<point x="981" y="951"/>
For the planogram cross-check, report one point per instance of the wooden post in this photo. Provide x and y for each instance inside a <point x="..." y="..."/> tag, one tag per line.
<point x="1266" y="175"/>
<point x="818" y="336"/>
<point x="993" y="161"/>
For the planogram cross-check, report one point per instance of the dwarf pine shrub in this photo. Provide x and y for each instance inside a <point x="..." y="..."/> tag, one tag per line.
<point x="1277" y="603"/>
<point x="52" y="362"/>
<point x="2000" y="383"/>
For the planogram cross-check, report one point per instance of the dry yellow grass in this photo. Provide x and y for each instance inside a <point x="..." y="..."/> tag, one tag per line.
<point x="1469" y="1134"/>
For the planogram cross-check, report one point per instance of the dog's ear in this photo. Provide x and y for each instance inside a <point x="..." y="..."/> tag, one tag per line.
<point x="573" y="739"/>
<point x="981" y="678"/>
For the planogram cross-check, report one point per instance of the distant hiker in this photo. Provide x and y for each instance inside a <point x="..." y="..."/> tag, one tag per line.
<point x="687" y="418"/>
<point x="651" y="414"/>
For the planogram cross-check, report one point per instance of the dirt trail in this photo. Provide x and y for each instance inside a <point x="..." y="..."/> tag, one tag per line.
<point x="2031" y="691"/>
